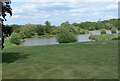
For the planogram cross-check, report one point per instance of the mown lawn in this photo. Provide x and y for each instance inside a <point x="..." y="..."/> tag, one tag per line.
<point x="88" y="60"/>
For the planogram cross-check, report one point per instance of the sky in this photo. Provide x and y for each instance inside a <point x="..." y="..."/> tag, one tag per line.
<point x="57" y="12"/>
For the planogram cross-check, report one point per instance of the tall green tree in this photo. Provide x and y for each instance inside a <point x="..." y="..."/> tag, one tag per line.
<point x="40" y="30"/>
<point x="71" y="28"/>
<point x="48" y="27"/>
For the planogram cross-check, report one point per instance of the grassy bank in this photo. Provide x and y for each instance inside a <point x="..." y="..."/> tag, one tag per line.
<point x="103" y="37"/>
<point x="9" y="44"/>
<point x="88" y="60"/>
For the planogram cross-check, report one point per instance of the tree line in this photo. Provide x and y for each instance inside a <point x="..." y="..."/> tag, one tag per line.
<point x="105" y="24"/>
<point x="64" y="30"/>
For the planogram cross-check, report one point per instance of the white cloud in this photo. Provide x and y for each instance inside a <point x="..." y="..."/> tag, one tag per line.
<point x="56" y="4"/>
<point x="29" y="6"/>
<point x="109" y="16"/>
<point x="37" y="12"/>
<point x="112" y="16"/>
<point x="75" y="5"/>
<point x="96" y="13"/>
<point x="65" y="0"/>
<point x="75" y="14"/>
<point x="17" y="10"/>
<point x="83" y="9"/>
<point x="37" y="15"/>
<point x="19" y="16"/>
<point x="78" y="10"/>
<point x="15" y="16"/>
<point x="25" y="7"/>
<point x="112" y="6"/>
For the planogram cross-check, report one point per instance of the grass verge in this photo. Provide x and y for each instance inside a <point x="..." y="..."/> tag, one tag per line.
<point x="103" y="37"/>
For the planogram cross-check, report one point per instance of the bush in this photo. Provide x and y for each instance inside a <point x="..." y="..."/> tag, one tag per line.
<point x="54" y="30"/>
<point x="92" y="28"/>
<point x="22" y="36"/>
<point x="117" y="37"/>
<point x="71" y="28"/>
<point x="65" y="36"/>
<point x="83" y="31"/>
<point x="40" y="30"/>
<point x="113" y="30"/>
<point x="103" y="31"/>
<point x="28" y="34"/>
<point x="15" y="38"/>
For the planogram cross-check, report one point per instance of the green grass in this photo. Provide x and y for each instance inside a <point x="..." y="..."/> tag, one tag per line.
<point x="88" y="60"/>
<point x="103" y="37"/>
<point x="0" y="71"/>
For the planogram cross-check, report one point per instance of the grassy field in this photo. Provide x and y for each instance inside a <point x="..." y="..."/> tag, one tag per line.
<point x="103" y="36"/>
<point x="88" y="60"/>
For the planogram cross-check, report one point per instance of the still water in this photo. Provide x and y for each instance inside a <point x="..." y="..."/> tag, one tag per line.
<point x="53" y="40"/>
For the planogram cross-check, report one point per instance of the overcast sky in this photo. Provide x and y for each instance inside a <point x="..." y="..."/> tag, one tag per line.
<point x="57" y="12"/>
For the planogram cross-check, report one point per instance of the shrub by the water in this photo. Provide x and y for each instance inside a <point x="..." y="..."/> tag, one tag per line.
<point x="64" y="36"/>
<point x="83" y="31"/>
<point x="28" y="34"/>
<point x="103" y="31"/>
<point x="22" y="36"/>
<point x="117" y="37"/>
<point x="113" y="30"/>
<point x="71" y="28"/>
<point x="15" y="38"/>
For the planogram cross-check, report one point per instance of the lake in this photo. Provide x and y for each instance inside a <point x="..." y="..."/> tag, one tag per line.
<point x="53" y="40"/>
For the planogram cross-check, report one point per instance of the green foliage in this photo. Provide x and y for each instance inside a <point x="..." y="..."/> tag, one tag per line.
<point x="65" y="36"/>
<point x="40" y="30"/>
<point x="28" y="34"/>
<point x="15" y="38"/>
<point x="113" y="30"/>
<point x="8" y="43"/>
<point x="104" y="37"/>
<point x="88" y="25"/>
<point x="107" y="26"/>
<point x="22" y="35"/>
<point x="16" y="28"/>
<point x="76" y="24"/>
<point x="47" y="23"/>
<point x="117" y="37"/>
<point x="48" y="27"/>
<point x="92" y="28"/>
<point x="30" y="27"/>
<point x="28" y="30"/>
<point x="54" y="30"/>
<point x="69" y="27"/>
<point x="103" y="31"/>
<point x="83" y="31"/>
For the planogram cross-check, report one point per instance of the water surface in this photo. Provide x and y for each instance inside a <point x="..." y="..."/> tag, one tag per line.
<point x="53" y="40"/>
